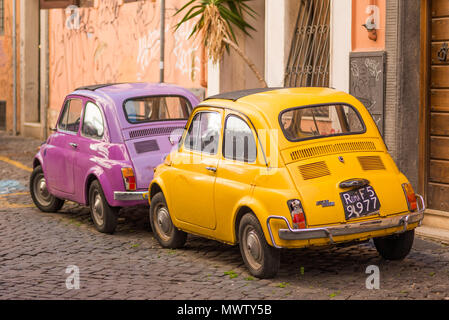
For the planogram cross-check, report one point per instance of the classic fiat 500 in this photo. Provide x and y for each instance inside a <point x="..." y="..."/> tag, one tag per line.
<point x="106" y="143"/>
<point x="283" y="168"/>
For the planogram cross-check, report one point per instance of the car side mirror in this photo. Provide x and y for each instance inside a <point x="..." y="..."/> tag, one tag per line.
<point x="176" y="136"/>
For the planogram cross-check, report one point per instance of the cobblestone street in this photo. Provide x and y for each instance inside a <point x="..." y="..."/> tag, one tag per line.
<point x="36" y="248"/>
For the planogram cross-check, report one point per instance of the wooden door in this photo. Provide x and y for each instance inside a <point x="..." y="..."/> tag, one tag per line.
<point x="438" y="166"/>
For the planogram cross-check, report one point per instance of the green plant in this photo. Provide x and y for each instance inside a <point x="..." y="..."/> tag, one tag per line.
<point x="231" y="274"/>
<point x="215" y="22"/>
<point x="283" y="284"/>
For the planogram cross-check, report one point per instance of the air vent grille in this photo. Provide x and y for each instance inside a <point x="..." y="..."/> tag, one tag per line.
<point x="371" y="163"/>
<point x="314" y="170"/>
<point x="146" y="146"/>
<point x="331" y="149"/>
<point x="152" y="132"/>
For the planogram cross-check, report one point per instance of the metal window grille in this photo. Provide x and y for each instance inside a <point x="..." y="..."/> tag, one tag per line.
<point x="308" y="61"/>
<point x="2" y="19"/>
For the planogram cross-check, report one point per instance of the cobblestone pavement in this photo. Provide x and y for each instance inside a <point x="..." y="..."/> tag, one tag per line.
<point x="36" y="248"/>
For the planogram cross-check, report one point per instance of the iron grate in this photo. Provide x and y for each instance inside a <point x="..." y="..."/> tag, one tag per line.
<point x="308" y="61"/>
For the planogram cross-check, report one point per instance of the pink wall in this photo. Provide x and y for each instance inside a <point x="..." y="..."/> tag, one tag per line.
<point x="361" y="11"/>
<point x="119" y="43"/>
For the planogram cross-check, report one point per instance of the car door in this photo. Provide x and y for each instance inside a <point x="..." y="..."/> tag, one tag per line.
<point x="237" y="170"/>
<point x="60" y="155"/>
<point x="192" y="191"/>
<point x="92" y="146"/>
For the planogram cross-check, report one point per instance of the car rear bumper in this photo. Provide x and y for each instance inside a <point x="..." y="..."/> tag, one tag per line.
<point x="130" y="195"/>
<point x="348" y="229"/>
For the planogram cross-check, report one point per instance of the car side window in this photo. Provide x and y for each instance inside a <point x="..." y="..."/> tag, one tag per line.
<point x="62" y="124"/>
<point x="239" y="143"/>
<point x="204" y="133"/>
<point x="93" y="125"/>
<point x="70" y="119"/>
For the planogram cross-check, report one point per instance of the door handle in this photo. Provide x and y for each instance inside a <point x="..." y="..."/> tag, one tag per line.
<point x="73" y="145"/>
<point x="213" y="169"/>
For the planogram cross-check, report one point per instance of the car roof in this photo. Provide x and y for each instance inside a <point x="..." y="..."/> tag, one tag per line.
<point x="236" y="95"/>
<point x="270" y="102"/>
<point x="112" y="96"/>
<point x="123" y="91"/>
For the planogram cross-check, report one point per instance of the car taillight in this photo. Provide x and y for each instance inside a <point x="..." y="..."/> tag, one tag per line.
<point x="129" y="179"/>
<point x="410" y="196"/>
<point x="297" y="212"/>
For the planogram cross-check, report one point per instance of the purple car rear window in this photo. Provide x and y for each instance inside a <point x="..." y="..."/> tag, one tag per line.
<point x="157" y="108"/>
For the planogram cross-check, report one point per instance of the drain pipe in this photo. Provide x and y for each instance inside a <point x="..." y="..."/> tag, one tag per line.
<point x="14" y="69"/>
<point x="162" y="41"/>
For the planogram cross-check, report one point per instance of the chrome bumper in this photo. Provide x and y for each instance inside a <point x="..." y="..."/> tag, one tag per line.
<point x="348" y="229"/>
<point x="130" y="195"/>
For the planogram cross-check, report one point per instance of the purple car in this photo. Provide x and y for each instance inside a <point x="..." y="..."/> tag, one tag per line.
<point x="107" y="141"/>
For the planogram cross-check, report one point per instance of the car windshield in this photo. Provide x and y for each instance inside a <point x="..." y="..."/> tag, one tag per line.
<point x="157" y="108"/>
<point x="320" y="121"/>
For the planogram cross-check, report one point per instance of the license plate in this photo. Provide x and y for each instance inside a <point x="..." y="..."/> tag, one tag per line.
<point x="360" y="202"/>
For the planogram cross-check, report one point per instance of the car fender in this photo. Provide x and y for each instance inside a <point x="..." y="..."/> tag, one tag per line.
<point x="258" y="209"/>
<point x="99" y="174"/>
<point x="157" y="181"/>
<point x="38" y="158"/>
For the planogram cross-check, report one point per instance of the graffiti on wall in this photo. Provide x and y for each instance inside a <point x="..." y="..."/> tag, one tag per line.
<point x="367" y="81"/>
<point x="118" y="43"/>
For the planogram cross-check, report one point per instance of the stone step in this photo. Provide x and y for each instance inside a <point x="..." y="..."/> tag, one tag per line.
<point x="433" y="233"/>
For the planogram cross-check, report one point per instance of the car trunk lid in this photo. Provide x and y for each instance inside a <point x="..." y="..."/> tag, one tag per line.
<point x="319" y="170"/>
<point x="148" y="145"/>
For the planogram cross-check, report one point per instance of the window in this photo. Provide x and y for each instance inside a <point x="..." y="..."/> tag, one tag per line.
<point x="239" y="142"/>
<point x="157" y="108"/>
<point x="93" y="126"/>
<point x="70" y="117"/>
<point x="308" y="122"/>
<point x="204" y="132"/>
<point x="2" y="115"/>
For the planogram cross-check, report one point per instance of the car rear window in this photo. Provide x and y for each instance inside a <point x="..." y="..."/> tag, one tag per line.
<point x="320" y="121"/>
<point x="158" y="108"/>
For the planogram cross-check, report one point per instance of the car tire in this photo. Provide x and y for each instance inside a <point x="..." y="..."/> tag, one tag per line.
<point x="42" y="198"/>
<point x="103" y="215"/>
<point x="163" y="228"/>
<point x="395" y="247"/>
<point x="261" y="259"/>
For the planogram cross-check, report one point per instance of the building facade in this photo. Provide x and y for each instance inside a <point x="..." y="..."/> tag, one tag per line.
<point x="62" y="45"/>
<point x="391" y="54"/>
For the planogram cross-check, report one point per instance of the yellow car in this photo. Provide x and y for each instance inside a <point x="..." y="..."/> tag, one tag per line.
<point x="283" y="168"/>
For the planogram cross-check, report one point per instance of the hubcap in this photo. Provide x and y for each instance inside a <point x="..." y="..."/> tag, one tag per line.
<point x="41" y="191"/>
<point x="252" y="247"/>
<point x="163" y="223"/>
<point x="97" y="209"/>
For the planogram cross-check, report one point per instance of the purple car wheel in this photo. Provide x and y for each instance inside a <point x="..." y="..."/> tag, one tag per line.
<point x="103" y="215"/>
<point x="42" y="198"/>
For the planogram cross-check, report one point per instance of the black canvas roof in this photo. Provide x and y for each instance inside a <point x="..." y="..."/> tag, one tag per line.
<point x="96" y="86"/>
<point x="235" y="95"/>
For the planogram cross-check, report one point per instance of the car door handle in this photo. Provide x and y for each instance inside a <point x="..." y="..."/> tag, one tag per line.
<point x="213" y="169"/>
<point x="73" y="145"/>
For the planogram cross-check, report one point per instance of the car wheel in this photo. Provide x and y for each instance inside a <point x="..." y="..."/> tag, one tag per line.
<point x="42" y="198"/>
<point x="395" y="247"/>
<point x="163" y="229"/>
<point x="103" y="215"/>
<point x="261" y="259"/>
